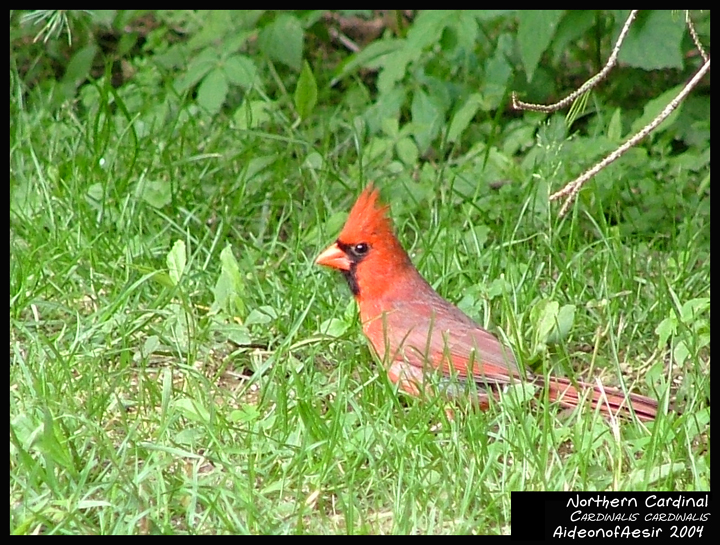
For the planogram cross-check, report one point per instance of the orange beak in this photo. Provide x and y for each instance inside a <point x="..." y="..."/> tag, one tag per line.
<point x="334" y="257"/>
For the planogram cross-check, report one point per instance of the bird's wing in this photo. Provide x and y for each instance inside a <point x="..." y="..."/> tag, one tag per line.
<point x="433" y="334"/>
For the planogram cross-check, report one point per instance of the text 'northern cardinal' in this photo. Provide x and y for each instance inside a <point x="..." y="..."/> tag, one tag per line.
<point x="417" y="332"/>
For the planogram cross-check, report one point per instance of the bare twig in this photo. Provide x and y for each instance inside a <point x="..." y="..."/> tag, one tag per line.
<point x="572" y="188"/>
<point x="344" y="40"/>
<point x="585" y="87"/>
<point x="693" y="33"/>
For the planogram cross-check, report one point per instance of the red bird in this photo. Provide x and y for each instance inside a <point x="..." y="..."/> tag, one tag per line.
<point x="416" y="332"/>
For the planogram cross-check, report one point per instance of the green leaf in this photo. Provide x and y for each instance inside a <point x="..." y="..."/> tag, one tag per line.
<point x="197" y="69"/>
<point x="252" y="114"/>
<point x="550" y="322"/>
<point x="681" y="352"/>
<point x="464" y="116"/>
<point x="261" y="315"/>
<point x="614" y="131"/>
<point x="373" y="57"/>
<point x="230" y="287"/>
<point x="498" y="72"/>
<point x="387" y="105"/>
<point x="306" y="92"/>
<point x="334" y="327"/>
<point x="654" y="107"/>
<point x="498" y="287"/>
<point x="665" y="329"/>
<point x="245" y="414"/>
<point x="546" y="319"/>
<point x="426" y="31"/>
<point x="477" y="236"/>
<point x="519" y="394"/>
<point x="176" y="261"/>
<point x="151" y="344"/>
<point x="156" y="193"/>
<point x="79" y="66"/>
<point x="237" y="333"/>
<point x="192" y="410"/>
<point x="240" y="70"/>
<point x="282" y="40"/>
<point x="654" y="41"/>
<point x="693" y="309"/>
<point x="565" y="321"/>
<point x="427" y="117"/>
<point x="574" y="24"/>
<point x="407" y="151"/>
<point x="536" y="30"/>
<point x="213" y="91"/>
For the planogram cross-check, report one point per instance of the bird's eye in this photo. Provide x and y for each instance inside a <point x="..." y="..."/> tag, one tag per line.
<point x="361" y="248"/>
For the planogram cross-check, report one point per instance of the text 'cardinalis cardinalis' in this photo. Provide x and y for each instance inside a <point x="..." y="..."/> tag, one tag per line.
<point x="416" y="332"/>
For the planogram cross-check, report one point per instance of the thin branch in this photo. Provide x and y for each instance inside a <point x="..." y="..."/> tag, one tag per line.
<point x="585" y="87"/>
<point x="571" y="189"/>
<point x="344" y="40"/>
<point x="693" y="33"/>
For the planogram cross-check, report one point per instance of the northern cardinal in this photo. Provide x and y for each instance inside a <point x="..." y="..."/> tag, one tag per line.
<point x="416" y="332"/>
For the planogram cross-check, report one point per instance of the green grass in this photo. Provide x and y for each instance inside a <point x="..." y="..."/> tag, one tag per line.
<point x="146" y="403"/>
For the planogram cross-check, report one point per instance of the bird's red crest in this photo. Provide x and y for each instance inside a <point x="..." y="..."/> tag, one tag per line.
<point x="368" y="219"/>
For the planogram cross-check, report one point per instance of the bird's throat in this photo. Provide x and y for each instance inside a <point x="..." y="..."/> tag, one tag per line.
<point x="351" y="277"/>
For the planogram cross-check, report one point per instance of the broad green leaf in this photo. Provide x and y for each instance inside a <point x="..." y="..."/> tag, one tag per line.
<point x="156" y="193"/>
<point x="213" y="91"/>
<point x="306" y="92"/>
<point x="314" y="161"/>
<point x="574" y="24"/>
<point x="176" y="261"/>
<point x="373" y="56"/>
<point x="536" y="30"/>
<point x="391" y="127"/>
<point x="477" y="236"/>
<point x="463" y="116"/>
<point x="680" y="353"/>
<point x="498" y="287"/>
<point x="498" y="72"/>
<point x="614" y="132"/>
<point x="237" y="333"/>
<point x="565" y="321"/>
<point x="425" y="32"/>
<point x="654" y="107"/>
<point x="407" y="151"/>
<point x="654" y="40"/>
<point x="230" y="287"/>
<point x="394" y="69"/>
<point x="665" y="329"/>
<point x="261" y="315"/>
<point x="387" y="105"/>
<point x="179" y="323"/>
<point x="216" y="23"/>
<point x="192" y="409"/>
<point x="646" y="477"/>
<point x="240" y="70"/>
<point x="197" y="69"/>
<point x="334" y="327"/>
<point x="151" y="344"/>
<point x="247" y="413"/>
<point x="282" y="40"/>
<point x="519" y="394"/>
<point x="546" y="319"/>
<point x="694" y="309"/>
<point x="79" y="66"/>
<point x="427" y="117"/>
<point x="252" y="114"/>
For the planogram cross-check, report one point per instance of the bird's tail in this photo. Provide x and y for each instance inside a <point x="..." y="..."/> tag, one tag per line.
<point x="610" y="401"/>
